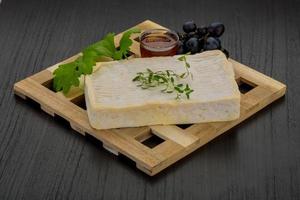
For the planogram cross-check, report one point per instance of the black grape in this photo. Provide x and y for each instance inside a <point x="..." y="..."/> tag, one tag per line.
<point x="212" y="43"/>
<point x="216" y="29"/>
<point x="189" y="26"/>
<point x="192" y="45"/>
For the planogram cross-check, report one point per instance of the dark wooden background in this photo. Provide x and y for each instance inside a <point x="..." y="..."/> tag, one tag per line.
<point x="42" y="158"/>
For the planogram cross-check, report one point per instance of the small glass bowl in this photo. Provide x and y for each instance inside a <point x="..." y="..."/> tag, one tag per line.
<point x="158" y="42"/>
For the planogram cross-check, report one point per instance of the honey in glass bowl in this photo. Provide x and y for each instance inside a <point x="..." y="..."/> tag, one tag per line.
<point x="158" y="42"/>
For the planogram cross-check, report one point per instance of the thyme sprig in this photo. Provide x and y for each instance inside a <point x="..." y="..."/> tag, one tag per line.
<point x="166" y="79"/>
<point x="187" y="66"/>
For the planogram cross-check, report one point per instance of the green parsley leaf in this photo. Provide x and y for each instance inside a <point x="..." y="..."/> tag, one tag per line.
<point x="125" y="43"/>
<point x="66" y="76"/>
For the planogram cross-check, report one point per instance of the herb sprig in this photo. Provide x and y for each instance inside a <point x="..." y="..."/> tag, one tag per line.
<point x="67" y="75"/>
<point x="167" y="80"/>
<point x="187" y="66"/>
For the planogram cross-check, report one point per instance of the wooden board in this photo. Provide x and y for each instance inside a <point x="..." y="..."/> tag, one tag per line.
<point x="152" y="148"/>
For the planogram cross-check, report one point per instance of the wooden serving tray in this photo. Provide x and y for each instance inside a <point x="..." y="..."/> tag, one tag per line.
<point x="152" y="148"/>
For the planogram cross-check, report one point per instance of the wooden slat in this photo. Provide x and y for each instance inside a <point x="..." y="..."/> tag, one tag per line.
<point x="174" y="134"/>
<point x="167" y="150"/>
<point x="136" y="132"/>
<point x="42" y="76"/>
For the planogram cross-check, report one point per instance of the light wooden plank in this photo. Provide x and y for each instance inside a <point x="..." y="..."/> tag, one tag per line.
<point x="42" y="77"/>
<point x="174" y="134"/>
<point x="134" y="133"/>
<point x="167" y="149"/>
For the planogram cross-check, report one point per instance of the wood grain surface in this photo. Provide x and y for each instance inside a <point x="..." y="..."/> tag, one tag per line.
<point x="40" y="158"/>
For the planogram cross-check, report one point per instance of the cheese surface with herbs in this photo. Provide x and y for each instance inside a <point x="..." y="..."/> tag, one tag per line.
<point x="113" y="99"/>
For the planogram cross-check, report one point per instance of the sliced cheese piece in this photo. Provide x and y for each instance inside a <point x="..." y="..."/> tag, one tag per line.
<point x="113" y="100"/>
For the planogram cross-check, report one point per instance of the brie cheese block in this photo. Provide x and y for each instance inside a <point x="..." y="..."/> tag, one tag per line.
<point x="113" y="100"/>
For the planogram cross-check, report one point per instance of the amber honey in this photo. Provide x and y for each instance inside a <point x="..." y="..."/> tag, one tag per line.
<point x="158" y="42"/>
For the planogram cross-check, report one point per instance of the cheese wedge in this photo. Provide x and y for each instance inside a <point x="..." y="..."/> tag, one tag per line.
<point x="113" y="100"/>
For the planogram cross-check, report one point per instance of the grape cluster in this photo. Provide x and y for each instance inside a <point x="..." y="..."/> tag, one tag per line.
<point x="198" y="39"/>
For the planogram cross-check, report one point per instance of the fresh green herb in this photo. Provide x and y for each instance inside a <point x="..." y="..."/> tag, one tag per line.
<point x="67" y="75"/>
<point x="166" y="79"/>
<point x="187" y="66"/>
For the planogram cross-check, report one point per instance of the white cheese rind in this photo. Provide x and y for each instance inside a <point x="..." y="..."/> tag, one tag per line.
<point x="114" y="101"/>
